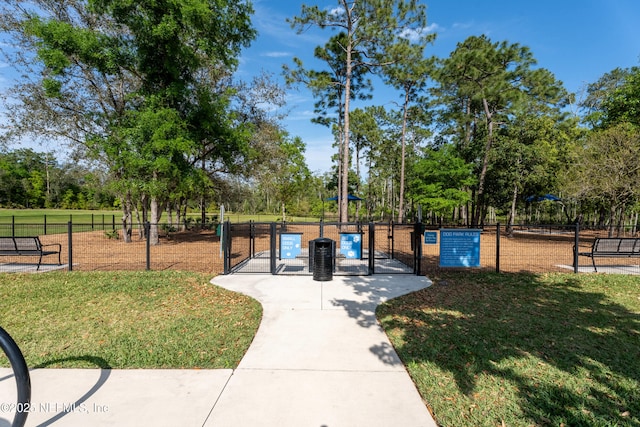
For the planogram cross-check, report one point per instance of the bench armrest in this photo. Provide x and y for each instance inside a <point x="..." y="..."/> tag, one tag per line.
<point x="53" y="244"/>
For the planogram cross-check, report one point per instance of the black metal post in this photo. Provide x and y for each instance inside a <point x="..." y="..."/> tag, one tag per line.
<point x="45" y="224"/>
<point x="372" y="249"/>
<point x="272" y="247"/>
<point x="576" y="242"/>
<point x="21" y="374"/>
<point x="498" y="248"/>
<point x="417" y="248"/>
<point x="252" y="239"/>
<point x="13" y="226"/>
<point x="147" y="229"/>
<point x="70" y="244"/>
<point x="225" y="241"/>
<point x="391" y="239"/>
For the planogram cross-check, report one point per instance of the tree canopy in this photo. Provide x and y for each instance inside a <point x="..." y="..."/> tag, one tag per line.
<point x="146" y="93"/>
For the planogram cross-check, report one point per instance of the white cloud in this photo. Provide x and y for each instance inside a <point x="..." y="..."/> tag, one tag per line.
<point x="276" y="54"/>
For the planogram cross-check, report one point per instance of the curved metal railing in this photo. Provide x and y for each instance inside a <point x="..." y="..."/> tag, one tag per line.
<point x="21" y="374"/>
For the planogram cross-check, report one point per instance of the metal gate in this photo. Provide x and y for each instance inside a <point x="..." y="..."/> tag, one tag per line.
<point x="287" y="248"/>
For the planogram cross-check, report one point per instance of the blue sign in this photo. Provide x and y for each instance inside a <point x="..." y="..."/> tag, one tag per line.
<point x="351" y="245"/>
<point x="459" y="248"/>
<point x="430" y="237"/>
<point x="290" y="245"/>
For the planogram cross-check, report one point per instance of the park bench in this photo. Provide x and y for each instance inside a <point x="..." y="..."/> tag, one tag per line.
<point x="619" y="247"/>
<point x="27" y="246"/>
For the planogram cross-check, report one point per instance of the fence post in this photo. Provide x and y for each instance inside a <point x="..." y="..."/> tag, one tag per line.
<point x="70" y="244"/>
<point x="45" y="224"/>
<point x="226" y="240"/>
<point x="252" y="239"/>
<point x="417" y="248"/>
<point x="498" y="247"/>
<point x="391" y="239"/>
<point x="372" y="249"/>
<point x="576" y="241"/>
<point x="147" y="229"/>
<point x="13" y="226"/>
<point x="272" y="247"/>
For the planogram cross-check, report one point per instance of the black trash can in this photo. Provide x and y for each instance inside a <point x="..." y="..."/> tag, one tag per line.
<point x="323" y="259"/>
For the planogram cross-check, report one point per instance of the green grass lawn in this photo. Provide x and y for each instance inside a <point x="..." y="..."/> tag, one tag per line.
<point x="523" y="350"/>
<point x="36" y="216"/>
<point x="126" y="320"/>
<point x="78" y="216"/>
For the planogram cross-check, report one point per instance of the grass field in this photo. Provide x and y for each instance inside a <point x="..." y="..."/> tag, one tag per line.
<point x="523" y="349"/>
<point x="126" y="320"/>
<point x="484" y="349"/>
<point x="37" y="216"/>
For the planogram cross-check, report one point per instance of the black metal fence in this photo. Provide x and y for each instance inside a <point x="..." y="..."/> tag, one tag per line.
<point x="86" y="247"/>
<point x="267" y="248"/>
<point x="287" y="248"/>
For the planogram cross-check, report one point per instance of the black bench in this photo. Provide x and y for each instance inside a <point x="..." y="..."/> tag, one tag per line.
<point x="618" y="247"/>
<point x="27" y="246"/>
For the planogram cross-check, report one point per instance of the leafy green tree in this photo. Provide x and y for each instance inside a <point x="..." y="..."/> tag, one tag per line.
<point x="528" y="158"/>
<point x="375" y="32"/>
<point x="439" y="179"/>
<point x="328" y="87"/>
<point x="613" y="98"/>
<point x="108" y="68"/>
<point x="479" y="85"/>
<point x="410" y="77"/>
<point x="623" y="104"/>
<point x="606" y="170"/>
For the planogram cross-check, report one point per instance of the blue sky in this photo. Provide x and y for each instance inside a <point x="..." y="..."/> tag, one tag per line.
<point x="577" y="40"/>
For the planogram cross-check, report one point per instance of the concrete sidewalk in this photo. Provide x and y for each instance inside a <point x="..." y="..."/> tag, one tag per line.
<point x="319" y="359"/>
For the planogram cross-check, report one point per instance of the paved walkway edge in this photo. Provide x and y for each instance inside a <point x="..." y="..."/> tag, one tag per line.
<point x="320" y="358"/>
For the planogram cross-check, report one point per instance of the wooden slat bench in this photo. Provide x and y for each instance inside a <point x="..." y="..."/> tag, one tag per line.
<point x="618" y="247"/>
<point x="28" y="246"/>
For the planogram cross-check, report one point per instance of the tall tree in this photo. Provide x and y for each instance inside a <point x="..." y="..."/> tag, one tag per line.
<point x="373" y="29"/>
<point x="328" y="87"/>
<point x="410" y="77"/>
<point x="109" y="69"/>
<point x="606" y="170"/>
<point x="611" y="91"/>
<point x="479" y="84"/>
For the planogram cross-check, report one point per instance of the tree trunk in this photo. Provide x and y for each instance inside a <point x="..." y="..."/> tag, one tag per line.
<point x="156" y="214"/>
<point x="344" y="200"/>
<point x="485" y="164"/>
<point x="401" y="215"/>
<point x="512" y="213"/>
<point x="126" y="218"/>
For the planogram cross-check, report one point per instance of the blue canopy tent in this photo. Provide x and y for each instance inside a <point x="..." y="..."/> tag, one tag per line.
<point x="350" y="197"/>
<point x="549" y="197"/>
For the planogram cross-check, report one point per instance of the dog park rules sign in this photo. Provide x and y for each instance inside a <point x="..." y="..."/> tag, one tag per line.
<point x="459" y="248"/>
